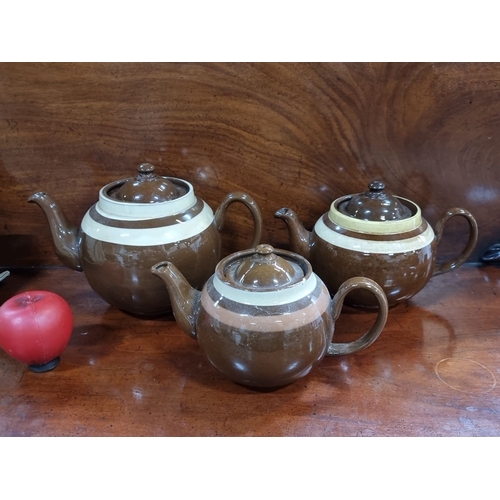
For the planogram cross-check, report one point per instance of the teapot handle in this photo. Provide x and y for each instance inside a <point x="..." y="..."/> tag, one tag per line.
<point x="247" y="200"/>
<point x="338" y="349"/>
<point x="471" y="243"/>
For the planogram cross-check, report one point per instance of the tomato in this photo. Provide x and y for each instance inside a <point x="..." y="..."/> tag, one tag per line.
<point x="35" y="328"/>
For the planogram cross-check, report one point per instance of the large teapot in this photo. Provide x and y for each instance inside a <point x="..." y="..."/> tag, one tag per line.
<point x="264" y="319"/>
<point x="135" y="223"/>
<point x="377" y="235"/>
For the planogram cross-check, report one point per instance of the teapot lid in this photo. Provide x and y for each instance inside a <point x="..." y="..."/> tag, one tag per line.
<point x="374" y="205"/>
<point x="264" y="269"/>
<point x="146" y="187"/>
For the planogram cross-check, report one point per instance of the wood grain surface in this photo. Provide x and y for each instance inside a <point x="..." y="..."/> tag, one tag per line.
<point x="434" y="371"/>
<point x="297" y="135"/>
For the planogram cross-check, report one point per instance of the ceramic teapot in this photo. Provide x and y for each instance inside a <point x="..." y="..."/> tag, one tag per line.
<point x="377" y="235"/>
<point x="264" y="319"/>
<point x="135" y="223"/>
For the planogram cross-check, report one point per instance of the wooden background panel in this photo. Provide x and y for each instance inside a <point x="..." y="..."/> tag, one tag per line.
<point x="297" y="135"/>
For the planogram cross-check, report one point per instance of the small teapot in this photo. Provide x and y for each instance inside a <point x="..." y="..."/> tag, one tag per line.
<point x="377" y="235"/>
<point x="137" y="222"/>
<point x="264" y="319"/>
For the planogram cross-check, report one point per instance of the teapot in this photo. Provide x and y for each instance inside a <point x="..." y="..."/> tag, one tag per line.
<point x="265" y="319"/>
<point x="377" y="235"/>
<point x="135" y="223"/>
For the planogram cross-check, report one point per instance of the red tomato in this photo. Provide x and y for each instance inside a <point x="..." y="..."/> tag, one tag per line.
<point x="35" y="326"/>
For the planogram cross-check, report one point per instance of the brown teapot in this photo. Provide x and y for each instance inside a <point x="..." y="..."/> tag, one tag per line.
<point x="135" y="223"/>
<point x="377" y="235"/>
<point x="264" y="319"/>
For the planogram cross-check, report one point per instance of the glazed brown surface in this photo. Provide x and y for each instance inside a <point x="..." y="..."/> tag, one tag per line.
<point x="433" y="371"/>
<point x="297" y="135"/>
<point x="400" y="275"/>
<point x="267" y="358"/>
<point x="247" y="345"/>
<point x="121" y="274"/>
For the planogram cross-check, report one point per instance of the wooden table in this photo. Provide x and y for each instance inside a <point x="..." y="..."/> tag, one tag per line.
<point x="432" y="372"/>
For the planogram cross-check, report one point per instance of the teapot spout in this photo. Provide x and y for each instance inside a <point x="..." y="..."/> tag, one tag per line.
<point x="184" y="298"/>
<point x="66" y="237"/>
<point x="300" y="238"/>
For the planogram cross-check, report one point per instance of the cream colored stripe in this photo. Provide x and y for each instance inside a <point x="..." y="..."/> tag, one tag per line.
<point x="370" y="246"/>
<point x="374" y="227"/>
<point x="270" y="298"/>
<point x="275" y="323"/>
<point x="149" y="236"/>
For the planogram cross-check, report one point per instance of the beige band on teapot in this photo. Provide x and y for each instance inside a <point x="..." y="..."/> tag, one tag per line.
<point x="148" y="236"/>
<point x="375" y="227"/>
<point x="275" y="323"/>
<point x="374" y="246"/>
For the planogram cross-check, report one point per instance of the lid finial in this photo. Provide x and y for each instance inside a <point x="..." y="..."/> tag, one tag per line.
<point x="145" y="168"/>
<point x="376" y="186"/>
<point x="264" y="249"/>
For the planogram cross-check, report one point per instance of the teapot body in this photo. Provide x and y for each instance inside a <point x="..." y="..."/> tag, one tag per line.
<point x="264" y="339"/>
<point x="401" y="263"/>
<point x="116" y="255"/>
